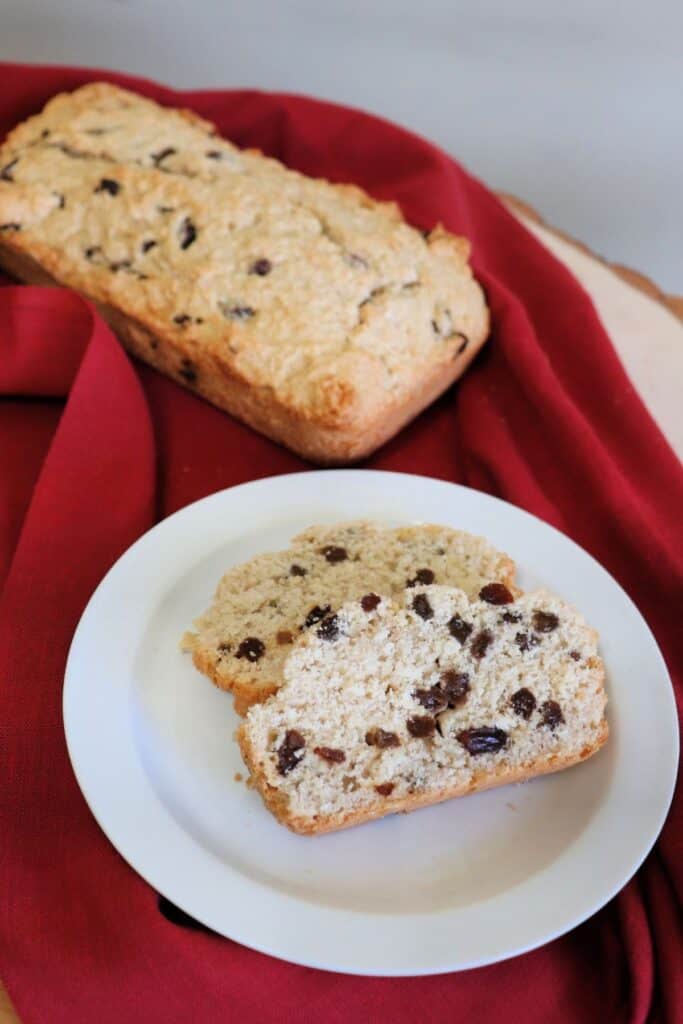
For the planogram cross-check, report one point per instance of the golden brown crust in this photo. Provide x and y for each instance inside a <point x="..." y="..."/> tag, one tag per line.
<point x="276" y="801"/>
<point x="340" y="355"/>
<point x="244" y="693"/>
<point x="320" y="441"/>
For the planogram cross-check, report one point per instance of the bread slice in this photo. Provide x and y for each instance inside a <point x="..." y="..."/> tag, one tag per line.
<point x="307" y="309"/>
<point x="263" y="606"/>
<point x="387" y="708"/>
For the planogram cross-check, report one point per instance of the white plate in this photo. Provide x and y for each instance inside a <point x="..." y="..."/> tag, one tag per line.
<point x="449" y="887"/>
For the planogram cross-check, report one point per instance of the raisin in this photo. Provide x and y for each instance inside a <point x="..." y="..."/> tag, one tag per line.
<point x="188" y="371"/>
<point x="187" y="233"/>
<point x="485" y="740"/>
<point x="252" y="649"/>
<point x="463" y="344"/>
<point x="525" y="641"/>
<point x="422" y="607"/>
<point x="385" y="788"/>
<point x="316" y="614"/>
<point x="284" y="637"/>
<point x="382" y="739"/>
<point x="334" y="554"/>
<point x="297" y="570"/>
<point x="551" y="714"/>
<point x="481" y="643"/>
<point x="433" y="699"/>
<point x="242" y="312"/>
<point x="329" y="628"/>
<point x="214" y="154"/>
<point x="455" y="686"/>
<point x="288" y="755"/>
<point x="224" y="648"/>
<point x="545" y="622"/>
<point x="92" y="250"/>
<point x="148" y="244"/>
<point x="354" y="260"/>
<point x="120" y="265"/>
<point x="109" y="186"/>
<point x="70" y="151"/>
<point x="166" y="209"/>
<point x="181" y="319"/>
<point x="575" y="655"/>
<point x="261" y="267"/>
<point x="511" y="617"/>
<point x="11" y="225"/>
<point x="370" y="602"/>
<point x="232" y="312"/>
<point x="423" y="576"/>
<point x="496" y="593"/>
<point x="6" y="172"/>
<point x="330" y="754"/>
<point x="162" y="154"/>
<point x="62" y="201"/>
<point x="421" y="726"/>
<point x="523" y="703"/>
<point x="460" y="629"/>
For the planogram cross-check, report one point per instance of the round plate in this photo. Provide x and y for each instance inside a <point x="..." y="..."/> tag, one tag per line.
<point x="449" y="887"/>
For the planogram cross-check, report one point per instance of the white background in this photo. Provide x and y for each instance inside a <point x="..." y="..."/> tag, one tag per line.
<point x="576" y="107"/>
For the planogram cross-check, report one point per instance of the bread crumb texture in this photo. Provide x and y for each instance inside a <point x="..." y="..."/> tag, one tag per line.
<point x="401" y="705"/>
<point x="264" y="605"/>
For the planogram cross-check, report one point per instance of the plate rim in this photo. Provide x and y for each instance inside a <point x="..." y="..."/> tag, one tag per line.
<point x="153" y="878"/>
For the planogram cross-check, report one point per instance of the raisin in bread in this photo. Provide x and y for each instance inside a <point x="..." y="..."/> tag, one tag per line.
<point x="306" y="309"/>
<point x="263" y="606"/>
<point x="387" y="708"/>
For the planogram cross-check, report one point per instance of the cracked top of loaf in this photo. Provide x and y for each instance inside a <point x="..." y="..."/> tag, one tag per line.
<point x="311" y="290"/>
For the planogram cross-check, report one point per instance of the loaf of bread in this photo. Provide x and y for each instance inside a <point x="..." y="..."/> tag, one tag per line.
<point x="264" y="605"/>
<point x="307" y="309"/>
<point x="387" y="708"/>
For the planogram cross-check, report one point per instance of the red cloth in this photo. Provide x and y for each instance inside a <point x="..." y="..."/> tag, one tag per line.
<point x="96" y="448"/>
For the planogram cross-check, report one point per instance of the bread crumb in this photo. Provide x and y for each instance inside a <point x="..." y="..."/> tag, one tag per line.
<point x="458" y="716"/>
<point x="238" y="776"/>
<point x="283" y="594"/>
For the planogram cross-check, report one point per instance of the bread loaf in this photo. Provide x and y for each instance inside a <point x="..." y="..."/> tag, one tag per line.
<point x="307" y="309"/>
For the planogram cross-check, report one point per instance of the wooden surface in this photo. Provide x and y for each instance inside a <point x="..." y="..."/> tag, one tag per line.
<point x="633" y="278"/>
<point x="7" y="1014"/>
<point x="643" y="325"/>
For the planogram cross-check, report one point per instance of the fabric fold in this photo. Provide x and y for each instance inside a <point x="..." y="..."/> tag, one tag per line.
<point x="546" y="418"/>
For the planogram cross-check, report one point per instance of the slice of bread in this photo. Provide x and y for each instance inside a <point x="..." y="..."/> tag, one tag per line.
<point x="387" y="708"/>
<point x="263" y="606"/>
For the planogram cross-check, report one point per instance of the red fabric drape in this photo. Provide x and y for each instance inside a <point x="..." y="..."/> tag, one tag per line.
<point x="94" y="448"/>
